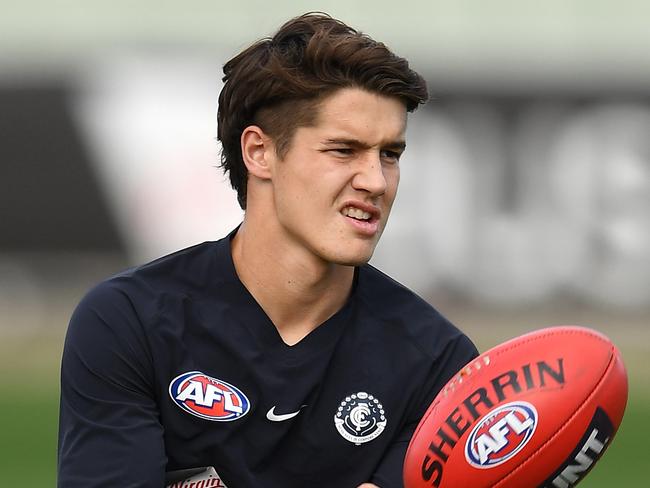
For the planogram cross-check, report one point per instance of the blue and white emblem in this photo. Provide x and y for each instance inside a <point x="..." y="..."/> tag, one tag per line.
<point x="360" y="418"/>
<point x="501" y="434"/>
<point x="208" y="398"/>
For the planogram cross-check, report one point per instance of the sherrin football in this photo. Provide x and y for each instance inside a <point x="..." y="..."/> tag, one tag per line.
<point x="536" y="411"/>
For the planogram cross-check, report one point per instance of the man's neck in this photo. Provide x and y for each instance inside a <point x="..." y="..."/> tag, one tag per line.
<point x="297" y="290"/>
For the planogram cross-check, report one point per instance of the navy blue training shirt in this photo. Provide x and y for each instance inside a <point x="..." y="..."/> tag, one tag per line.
<point x="174" y="365"/>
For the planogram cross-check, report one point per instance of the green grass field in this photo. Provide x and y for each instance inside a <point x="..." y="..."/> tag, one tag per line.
<point x="29" y="414"/>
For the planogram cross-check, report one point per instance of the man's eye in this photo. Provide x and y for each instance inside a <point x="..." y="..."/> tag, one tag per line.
<point x="346" y="151"/>
<point x="390" y="156"/>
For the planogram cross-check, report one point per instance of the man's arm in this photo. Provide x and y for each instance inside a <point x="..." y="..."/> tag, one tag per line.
<point x="457" y="355"/>
<point x="109" y="432"/>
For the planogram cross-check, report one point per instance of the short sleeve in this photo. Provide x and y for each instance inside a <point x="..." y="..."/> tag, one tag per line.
<point x="109" y="428"/>
<point x="458" y="353"/>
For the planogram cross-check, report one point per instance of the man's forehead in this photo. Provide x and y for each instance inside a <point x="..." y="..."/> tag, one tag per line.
<point x="360" y="115"/>
<point x="354" y="97"/>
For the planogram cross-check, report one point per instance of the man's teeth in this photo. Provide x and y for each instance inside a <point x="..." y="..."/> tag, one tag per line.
<point x="356" y="213"/>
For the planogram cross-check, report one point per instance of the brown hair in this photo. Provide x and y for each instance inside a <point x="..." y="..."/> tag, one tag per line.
<point x="277" y="83"/>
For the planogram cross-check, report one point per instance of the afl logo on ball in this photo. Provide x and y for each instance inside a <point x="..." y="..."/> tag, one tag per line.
<point x="501" y="434"/>
<point x="360" y="418"/>
<point x="208" y="398"/>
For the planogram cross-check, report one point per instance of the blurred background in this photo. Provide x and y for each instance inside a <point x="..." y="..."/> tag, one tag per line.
<point x="525" y="194"/>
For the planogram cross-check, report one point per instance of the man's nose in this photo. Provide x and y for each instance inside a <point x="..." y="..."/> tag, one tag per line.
<point x="370" y="175"/>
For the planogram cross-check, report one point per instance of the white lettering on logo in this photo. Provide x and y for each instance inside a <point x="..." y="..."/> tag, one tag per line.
<point x="194" y="391"/>
<point x="229" y="405"/>
<point x="571" y="474"/>
<point x="495" y="439"/>
<point x="212" y="394"/>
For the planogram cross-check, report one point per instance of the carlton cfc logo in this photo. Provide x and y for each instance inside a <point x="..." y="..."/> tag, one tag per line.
<point x="360" y="418"/>
<point x="501" y="434"/>
<point x="208" y="398"/>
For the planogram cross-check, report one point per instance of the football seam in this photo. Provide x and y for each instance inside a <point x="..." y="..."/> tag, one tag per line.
<point x="517" y="343"/>
<point x="582" y="406"/>
<point x="577" y="330"/>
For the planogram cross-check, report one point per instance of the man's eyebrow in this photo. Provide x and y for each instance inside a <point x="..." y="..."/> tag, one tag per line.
<point x="399" y="144"/>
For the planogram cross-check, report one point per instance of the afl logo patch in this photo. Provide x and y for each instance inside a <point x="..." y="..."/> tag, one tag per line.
<point x="501" y="434"/>
<point x="360" y="418"/>
<point x="208" y="398"/>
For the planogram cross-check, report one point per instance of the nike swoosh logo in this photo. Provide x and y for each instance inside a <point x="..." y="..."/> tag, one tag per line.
<point x="273" y="417"/>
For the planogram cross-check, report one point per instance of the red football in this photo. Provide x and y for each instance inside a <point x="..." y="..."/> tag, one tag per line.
<point x="536" y="411"/>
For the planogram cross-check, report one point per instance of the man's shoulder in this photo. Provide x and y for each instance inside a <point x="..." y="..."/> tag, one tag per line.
<point x="407" y="315"/>
<point x="188" y="272"/>
<point x="391" y="298"/>
<point x="188" y="269"/>
<point x="193" y="266"/>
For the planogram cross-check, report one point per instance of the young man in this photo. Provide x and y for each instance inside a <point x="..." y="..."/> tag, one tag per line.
<point x="276" y="355"/>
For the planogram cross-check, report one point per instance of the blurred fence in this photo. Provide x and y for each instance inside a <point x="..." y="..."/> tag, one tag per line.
<point x="526" y="180"/>
<point x="506" y="198"/>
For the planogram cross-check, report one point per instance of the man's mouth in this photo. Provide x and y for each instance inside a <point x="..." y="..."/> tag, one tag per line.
<point x="356" y="213"/>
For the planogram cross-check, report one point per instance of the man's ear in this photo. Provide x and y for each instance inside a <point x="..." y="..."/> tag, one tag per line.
<point x="257" y="150"/>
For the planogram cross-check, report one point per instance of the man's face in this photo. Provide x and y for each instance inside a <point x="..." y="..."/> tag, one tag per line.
<point x="334" y="188"/>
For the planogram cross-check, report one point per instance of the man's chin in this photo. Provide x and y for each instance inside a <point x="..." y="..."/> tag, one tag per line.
<point x="355" y="253"/>
<point x="355" y="260"/>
